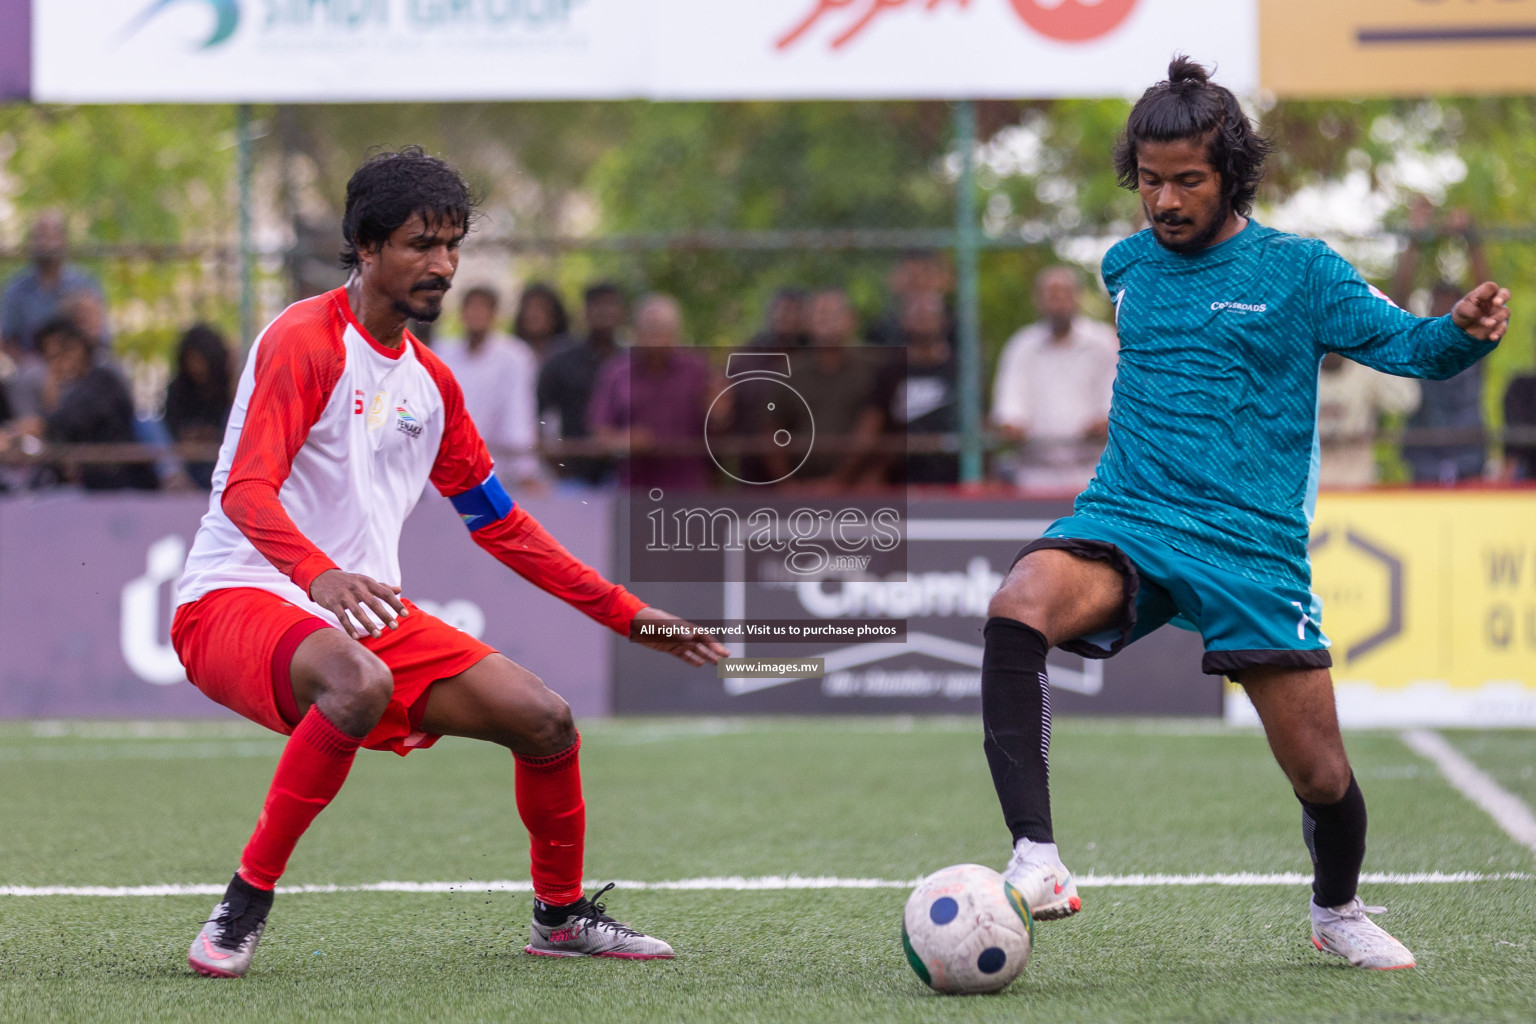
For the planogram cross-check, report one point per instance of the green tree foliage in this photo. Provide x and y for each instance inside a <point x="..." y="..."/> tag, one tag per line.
<point x="165" y="176"/>
<point x="138" y="181"/>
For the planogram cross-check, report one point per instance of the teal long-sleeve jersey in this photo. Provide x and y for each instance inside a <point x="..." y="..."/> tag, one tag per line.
<point x="1213" y="426"/>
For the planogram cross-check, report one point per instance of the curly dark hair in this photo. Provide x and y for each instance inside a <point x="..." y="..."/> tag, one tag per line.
<point x="392" y="186"/>
<point x="1190" y="106"/>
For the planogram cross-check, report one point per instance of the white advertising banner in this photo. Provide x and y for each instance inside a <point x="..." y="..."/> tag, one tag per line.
<point x="955" y="49"/>
<point x="112" y="51"/>
<point x="337" y="51"/>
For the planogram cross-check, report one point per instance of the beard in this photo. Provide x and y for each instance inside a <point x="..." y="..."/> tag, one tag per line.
<point x="1200" y="239"/>
<point x="424" y="309"/>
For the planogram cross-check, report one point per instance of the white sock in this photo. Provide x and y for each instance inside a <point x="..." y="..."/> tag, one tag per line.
<point x="1043" y="852"/>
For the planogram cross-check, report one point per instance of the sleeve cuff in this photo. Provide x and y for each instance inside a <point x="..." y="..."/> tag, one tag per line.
<point x="625" y="607"/>
<point x="305" y="572"/>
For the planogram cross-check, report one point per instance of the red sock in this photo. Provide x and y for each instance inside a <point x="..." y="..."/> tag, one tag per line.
<point x="309" y="774"/>
<point x="550" y="804"/>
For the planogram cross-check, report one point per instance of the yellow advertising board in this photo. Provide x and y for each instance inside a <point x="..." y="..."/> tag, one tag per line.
<point x="1326" y="48"/>
<point x="1430" y="601"/>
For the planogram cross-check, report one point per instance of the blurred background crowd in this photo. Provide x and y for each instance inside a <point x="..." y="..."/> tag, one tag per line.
<point x="609" y="389"/>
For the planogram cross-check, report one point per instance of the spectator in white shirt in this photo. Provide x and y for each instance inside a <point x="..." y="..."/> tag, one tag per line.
<point x="497" y="373"/>
<point x="1052" y="390"/>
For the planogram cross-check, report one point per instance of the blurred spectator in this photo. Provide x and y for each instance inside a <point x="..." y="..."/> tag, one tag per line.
<point x="916" y="397"/>
<point x="198" y="398"/>
<point x="88" y="310"/>
<point x="1351" y="399"/>
<point x="1520" y="415"/>
<point x="88" y="404"/>
<point x="1053" y="387"/>
<point x="786" y="321"/>
<point x="33" y="296"/>
<point x="541" y="321"/>
<point x="568" y="377"/>
<point x="835" y="377"/>
<point x="655" y="395"/>
<point x="497" y="374"/>
<point x="1455" y="405"/>
<point x="915" y="273"/>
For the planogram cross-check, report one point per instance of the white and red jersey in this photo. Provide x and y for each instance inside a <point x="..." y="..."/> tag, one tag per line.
<point x="331" y="441"/>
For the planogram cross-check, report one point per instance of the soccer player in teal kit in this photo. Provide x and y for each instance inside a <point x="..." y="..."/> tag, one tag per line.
<point x="1199" y="508"/>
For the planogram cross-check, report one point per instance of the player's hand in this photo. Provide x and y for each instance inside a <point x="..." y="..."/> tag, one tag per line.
<point x="346" y="595"/>
<point x="693" y="644"/>
<point x="1483" y="312"/>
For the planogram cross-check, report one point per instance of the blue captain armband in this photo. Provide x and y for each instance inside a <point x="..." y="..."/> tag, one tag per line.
<point x="481" y="506"/>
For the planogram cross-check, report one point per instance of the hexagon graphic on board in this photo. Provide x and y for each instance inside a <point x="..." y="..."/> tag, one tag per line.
<point x="1365" y="589"/>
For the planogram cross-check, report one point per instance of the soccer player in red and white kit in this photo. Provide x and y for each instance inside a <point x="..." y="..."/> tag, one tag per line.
<point x="291" y="606"/>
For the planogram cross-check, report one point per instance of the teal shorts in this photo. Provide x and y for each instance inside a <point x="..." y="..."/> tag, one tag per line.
<point x="1244" y="623"/>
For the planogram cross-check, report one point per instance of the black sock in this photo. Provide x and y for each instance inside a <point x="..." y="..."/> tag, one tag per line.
<point x="239" y="888"/>
<point x="1016" y="716"/>
<point x="1335" y="836"/>
<point x="550" y="915"/>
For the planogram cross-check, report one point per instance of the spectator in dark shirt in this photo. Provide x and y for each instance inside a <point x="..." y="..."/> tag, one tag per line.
<point x="567" y="379"/>
<point x="1454" y="406"/>
<point x="541" y="321"/>
<point x="919" y="272"/>
<point x="917" y="397"/>
<point x="198" y="398"/>
<point x="835" y="377"/>
<point x="33" y="297"/>
<point x="785" y="326"/>
<point x="1520" y="416"/>
<point x="654" y="396"/>
<point x="93" y="407"/>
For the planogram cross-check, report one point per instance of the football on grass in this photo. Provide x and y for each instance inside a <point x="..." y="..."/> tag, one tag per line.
<point x="966" y="930"/>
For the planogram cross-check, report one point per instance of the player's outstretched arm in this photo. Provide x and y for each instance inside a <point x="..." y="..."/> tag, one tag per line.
<point x="1355" y="320"/>
<point x="690" y="643"/>
<point x="464" y="474"/>
<point x="1483" y="312"/>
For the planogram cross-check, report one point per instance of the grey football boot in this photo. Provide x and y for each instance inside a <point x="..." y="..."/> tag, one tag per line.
<point x="225" y="946"/>
<point x="588" y="931"/>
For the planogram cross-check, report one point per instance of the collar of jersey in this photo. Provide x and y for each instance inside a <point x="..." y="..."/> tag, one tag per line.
<point x="346" y="311"/>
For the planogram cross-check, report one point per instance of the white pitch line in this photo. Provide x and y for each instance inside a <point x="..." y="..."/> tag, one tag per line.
<point x="737" y="883"/>
<point x="1508" y="811"/>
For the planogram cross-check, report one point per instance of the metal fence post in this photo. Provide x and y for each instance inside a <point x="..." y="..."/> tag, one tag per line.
<point x="967" y="244"/>
<point x="247" y="255"/>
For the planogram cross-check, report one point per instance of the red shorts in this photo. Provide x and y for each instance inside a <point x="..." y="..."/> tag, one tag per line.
<point x="237" y="645"/>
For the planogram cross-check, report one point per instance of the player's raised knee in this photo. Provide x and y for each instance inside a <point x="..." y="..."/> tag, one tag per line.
<point x="357" y="688"/>
<point x="551" y="728"/>
<point x="1012" y="601"/>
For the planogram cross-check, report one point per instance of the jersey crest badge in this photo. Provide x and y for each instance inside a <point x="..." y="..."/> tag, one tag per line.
<point x="378" y="410"/>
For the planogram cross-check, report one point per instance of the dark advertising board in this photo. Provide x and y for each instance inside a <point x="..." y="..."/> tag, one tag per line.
<point x="86" y="598"/>
<point x="957" y="553"/>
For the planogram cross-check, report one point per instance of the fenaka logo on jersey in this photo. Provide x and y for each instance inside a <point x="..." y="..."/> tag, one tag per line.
<point x="1239" y="307"/>
<point x="405" y="422"/>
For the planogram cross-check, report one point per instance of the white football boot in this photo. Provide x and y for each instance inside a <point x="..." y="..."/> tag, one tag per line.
<point x="588" y="931"/>
<point x="1346" y="931"/>
<point x="1043" y="880"/>
<point x="227" y="942"/>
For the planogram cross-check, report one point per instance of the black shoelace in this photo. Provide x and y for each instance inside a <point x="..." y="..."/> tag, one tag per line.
<point x="237" y="919"/>
<point x="595" y="914"/>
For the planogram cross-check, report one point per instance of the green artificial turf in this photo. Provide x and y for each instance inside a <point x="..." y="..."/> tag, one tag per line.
<point x="668" y="800"/>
